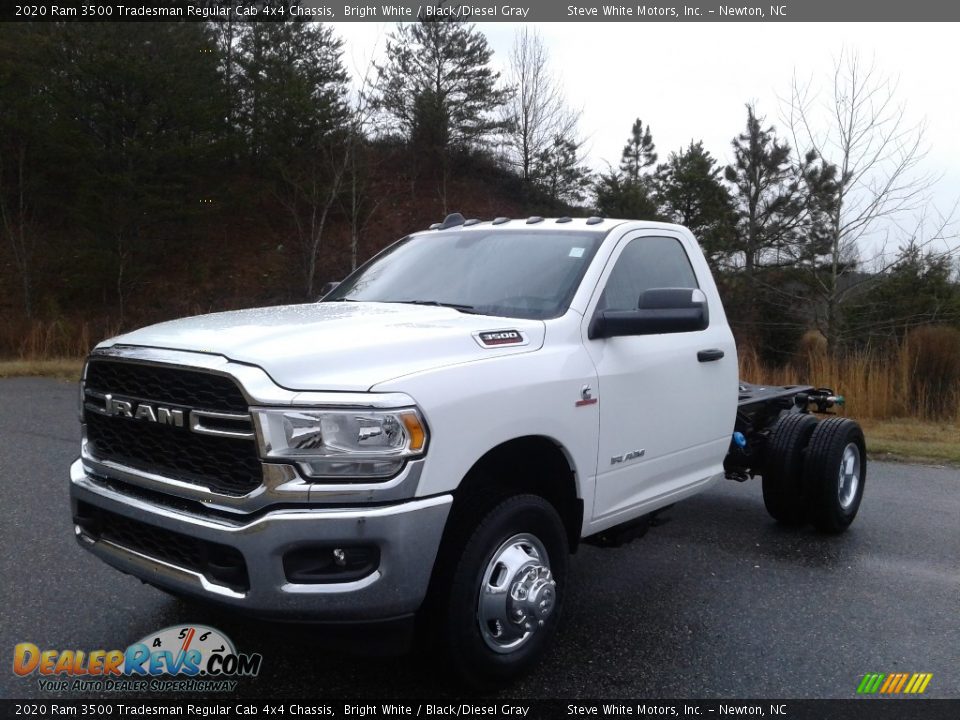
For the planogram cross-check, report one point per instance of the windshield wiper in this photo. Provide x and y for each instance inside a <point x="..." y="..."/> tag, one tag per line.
<point x="469" y="309"/>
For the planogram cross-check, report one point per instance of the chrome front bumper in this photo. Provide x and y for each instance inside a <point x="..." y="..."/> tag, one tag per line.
<point x="407" y="535"/>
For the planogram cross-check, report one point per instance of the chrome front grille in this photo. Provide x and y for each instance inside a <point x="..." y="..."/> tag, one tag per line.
<point x="212" y="447"/>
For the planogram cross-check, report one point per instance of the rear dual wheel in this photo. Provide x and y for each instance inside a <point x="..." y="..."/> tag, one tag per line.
<point x="836" y="471"/>
<point x="815" y="472"/>
<point x="783" y="476"/>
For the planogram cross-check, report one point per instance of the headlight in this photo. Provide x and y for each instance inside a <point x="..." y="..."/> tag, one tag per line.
<point x="342" y="443"/>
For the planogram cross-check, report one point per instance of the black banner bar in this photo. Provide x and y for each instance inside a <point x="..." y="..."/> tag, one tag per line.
<point x="489" y="709"/>
<point x="483" y="10"/>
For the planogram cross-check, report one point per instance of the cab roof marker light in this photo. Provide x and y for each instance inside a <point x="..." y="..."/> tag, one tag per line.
<point x="500" y="221"/>
<point x="452" y="220"/>
<point x="594" y="220"/>
<point x="533" y="220"/>
<point x="564" y="219"/>
<point x="472" y="221"/>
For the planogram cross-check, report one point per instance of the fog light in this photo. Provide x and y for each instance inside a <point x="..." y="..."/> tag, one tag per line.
<point x="315" y="564"/>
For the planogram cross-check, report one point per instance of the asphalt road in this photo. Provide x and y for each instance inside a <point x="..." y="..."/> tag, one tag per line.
<point x="716" y="602"/>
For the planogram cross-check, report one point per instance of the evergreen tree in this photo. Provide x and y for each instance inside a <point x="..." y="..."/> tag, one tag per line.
<point x="766" y="193"/>
<point x="618" y="197"/>
<point x="690" y="192"/>
<point x="783" y="206"/>
<point x="437" y="85"/>
<point x="560" y="173"/>
<point x="292" y="88"/>
<point x="630" y="192"/>
<point x="639" y="153"/>
<point x="139" y="113"/>
<point x="918" y="289"/>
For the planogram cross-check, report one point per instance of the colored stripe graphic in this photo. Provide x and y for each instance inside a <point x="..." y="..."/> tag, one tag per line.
<point x="898" y="681"/>
<point x="903" y="680"/>
<point x="870" y="683"/>
<point x="894" y="683"/>
<point x="919" y="684"/>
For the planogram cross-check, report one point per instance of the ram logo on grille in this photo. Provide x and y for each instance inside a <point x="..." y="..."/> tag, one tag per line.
<point x="142" y="411"/>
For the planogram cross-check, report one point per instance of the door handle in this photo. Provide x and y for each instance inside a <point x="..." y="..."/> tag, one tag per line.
<point x="709" y="355"/>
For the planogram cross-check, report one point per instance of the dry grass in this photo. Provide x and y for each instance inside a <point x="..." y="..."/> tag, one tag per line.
<point x="920" y="378"/>
<point x="45" y="340"/>
<point x="907" y="398"/>
<point x="61" y="368"/>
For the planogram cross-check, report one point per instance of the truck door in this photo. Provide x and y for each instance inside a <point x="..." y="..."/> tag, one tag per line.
<point x="667" y="401"/>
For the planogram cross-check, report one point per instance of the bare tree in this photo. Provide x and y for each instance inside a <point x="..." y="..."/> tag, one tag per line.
<point x="15" y="218"/>
<point x="25" y="130"/>
<point x="360" y="204"/>
<point x="308" y="193"/>
<point x="537" y="113"/>
<point x="861" y="128"/>
<point x="295" y="117"/>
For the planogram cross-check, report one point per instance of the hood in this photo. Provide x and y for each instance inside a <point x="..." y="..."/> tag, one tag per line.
<point x="339" y="346"/>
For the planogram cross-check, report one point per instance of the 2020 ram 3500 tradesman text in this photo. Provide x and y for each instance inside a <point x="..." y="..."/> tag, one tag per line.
<point x="437" y="435"/>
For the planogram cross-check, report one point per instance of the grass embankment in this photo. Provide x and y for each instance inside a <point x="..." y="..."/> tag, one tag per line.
<point x="913" y="440"/>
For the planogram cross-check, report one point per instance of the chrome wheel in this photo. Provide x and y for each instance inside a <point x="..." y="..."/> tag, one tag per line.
<point x="517" y="593"/>
<point x="848" y="479"/>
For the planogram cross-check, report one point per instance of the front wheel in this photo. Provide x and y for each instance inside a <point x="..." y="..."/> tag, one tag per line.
<point x="501" y="604"/>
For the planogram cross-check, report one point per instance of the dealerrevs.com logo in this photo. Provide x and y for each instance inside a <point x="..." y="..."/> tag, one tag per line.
<point x="184" y="657"/>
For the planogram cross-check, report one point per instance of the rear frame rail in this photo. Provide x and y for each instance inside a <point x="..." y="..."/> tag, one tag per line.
<point x="758" y="409"/>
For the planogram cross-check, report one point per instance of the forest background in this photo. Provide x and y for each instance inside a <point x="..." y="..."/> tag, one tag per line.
<point x="155" y="170"/>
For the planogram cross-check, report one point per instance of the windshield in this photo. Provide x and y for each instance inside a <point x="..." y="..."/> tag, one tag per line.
<point x="529" y="274"/>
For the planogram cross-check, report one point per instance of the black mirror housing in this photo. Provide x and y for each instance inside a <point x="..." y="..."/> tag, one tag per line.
<point x="659" y="310"/>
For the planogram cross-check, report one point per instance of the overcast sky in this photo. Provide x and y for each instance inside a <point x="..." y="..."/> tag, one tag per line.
<point x="690" y="81"/>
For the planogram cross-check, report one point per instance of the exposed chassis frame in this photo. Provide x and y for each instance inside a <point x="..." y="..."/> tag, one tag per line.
<point x="758" y="409"/>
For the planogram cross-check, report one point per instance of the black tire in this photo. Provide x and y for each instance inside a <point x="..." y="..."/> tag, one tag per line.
<point x="456" y="627"/>
<point x="836" y="448"/>
<point x="783" y="484"/>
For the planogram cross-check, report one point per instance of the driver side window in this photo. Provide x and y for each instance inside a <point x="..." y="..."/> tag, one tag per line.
<point x="646" y="263"/>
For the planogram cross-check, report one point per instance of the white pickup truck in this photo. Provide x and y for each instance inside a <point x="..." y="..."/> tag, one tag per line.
<point x="433" y="439"/>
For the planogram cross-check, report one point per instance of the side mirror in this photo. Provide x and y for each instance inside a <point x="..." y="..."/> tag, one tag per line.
<point x="327" y="289"/>
<point x="660" y="310"/>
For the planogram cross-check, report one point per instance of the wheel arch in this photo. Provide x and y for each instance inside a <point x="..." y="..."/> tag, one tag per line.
<point x="534" y="464"/>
